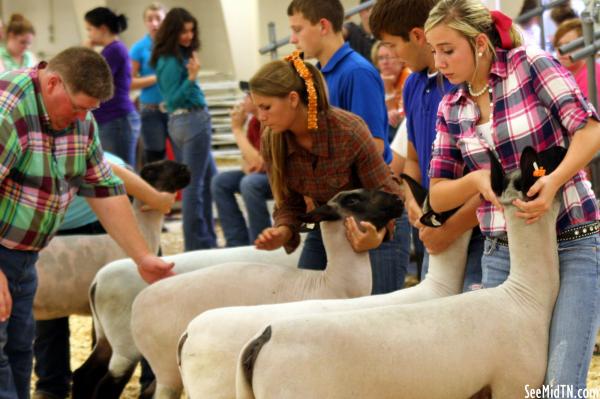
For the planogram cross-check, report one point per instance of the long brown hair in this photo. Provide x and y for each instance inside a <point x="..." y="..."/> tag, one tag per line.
<point x="279" y="79"/>
<point x="167" y="38"/>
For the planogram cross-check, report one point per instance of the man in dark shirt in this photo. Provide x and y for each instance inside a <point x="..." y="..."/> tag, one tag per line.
<point x="359" y="37"/>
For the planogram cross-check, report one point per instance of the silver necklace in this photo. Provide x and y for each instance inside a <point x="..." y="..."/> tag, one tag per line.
<point x="476" y="93"/>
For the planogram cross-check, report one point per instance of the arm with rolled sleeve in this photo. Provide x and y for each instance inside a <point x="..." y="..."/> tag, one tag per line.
<point x="105" y="195"/>
<point x="560" y="94"/>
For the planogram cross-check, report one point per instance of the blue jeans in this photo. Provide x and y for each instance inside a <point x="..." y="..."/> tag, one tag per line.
<point x="388" y="262"/>
<point x="255" y="191"/>
<point x="120" y="136"/>
<point x="473" y="272"/>
<point x="575" y="317"/>
<point x="154" y="133"/>
<point x="191" y="135"/>
<point x="16" y="334"/>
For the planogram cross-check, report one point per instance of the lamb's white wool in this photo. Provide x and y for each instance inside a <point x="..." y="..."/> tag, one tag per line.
<point x="210" y="346"/>
<point x="178" y="300"/>
<point x="112" y="294"/>
<point x="493" y="339"/>
<point x="67" y="266"/>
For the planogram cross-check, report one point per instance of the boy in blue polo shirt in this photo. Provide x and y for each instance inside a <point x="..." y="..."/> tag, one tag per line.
<point x="399" y="25"/>
<point x="356" y="86"/>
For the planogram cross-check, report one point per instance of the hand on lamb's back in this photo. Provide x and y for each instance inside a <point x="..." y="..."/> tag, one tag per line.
<point x="153" y="268"/>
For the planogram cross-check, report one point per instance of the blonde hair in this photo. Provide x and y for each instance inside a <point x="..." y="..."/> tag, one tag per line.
<point x="470" y="18"/>
<point x="374" y="52"/>
<point x="155" y="6"/>
<point x="279" y="79"/>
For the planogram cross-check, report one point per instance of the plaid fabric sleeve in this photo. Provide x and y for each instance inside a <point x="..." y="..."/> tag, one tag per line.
<point x="446" y="158"/>
<point x="10" y="147"/>
<point x="294" y="205"/>
<point x="558" y="91"/>
<point x="99" y="179"/>
<point x="287" y="215"/>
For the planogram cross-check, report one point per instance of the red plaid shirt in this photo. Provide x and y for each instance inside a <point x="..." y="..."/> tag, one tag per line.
<point x="536" y="103"/>
<point x="343" y="157"/>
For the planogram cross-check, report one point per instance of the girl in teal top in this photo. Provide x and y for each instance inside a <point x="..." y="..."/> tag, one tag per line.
<point x="190" y="130"/>
<point x="19" y="36"/>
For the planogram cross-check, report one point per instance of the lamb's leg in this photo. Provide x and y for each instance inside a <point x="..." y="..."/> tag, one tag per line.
<point x="167" y="392"/>
<point x="86" y="377"/>
<point x="148" y="392"/>
<point x="110" y="386"/>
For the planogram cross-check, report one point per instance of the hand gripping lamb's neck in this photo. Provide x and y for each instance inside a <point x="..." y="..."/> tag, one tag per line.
<point x="498" y="336"/>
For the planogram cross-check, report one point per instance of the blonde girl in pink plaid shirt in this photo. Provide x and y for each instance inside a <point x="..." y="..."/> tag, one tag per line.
<point x="509" y="97"/>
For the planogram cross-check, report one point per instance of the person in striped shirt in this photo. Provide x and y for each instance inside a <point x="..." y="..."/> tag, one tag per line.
<point x="49" y="152"/>
<point x="509" y="97"/>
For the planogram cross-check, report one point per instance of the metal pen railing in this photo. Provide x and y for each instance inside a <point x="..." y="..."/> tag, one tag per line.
<point x="539" y="11"/>
<point x="275" y="43"/>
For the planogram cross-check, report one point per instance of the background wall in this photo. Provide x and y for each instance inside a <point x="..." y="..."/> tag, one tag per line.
<point x="231" y="31"/>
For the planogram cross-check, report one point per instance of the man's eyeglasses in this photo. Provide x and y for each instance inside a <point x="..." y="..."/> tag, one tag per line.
<point x="77" y="108"/>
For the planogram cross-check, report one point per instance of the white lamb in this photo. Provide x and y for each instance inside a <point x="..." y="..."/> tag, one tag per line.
<point x="110" y="365"/>
<point x="491" y="341"/>
<point x="178" y="300"/>
<point x="210" y="347"/>
<point x="67" y="266"/>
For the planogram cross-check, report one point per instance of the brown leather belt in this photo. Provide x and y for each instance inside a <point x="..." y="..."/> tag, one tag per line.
<point x="153" y="107"/>
<point x="570" y="234"/>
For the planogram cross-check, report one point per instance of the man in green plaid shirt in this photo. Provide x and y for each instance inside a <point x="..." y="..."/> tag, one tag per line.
<point x="49" y="152"/>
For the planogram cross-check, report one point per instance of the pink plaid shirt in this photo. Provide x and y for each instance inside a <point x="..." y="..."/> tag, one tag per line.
<point x="537" y="103"/>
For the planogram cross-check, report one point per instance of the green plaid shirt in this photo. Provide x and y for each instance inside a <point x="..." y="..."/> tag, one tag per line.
<point x="41" y="169"/>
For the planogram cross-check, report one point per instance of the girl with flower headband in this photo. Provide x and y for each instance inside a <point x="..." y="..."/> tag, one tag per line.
<point x="507" y="98"/>
<point x="311" y="150"/>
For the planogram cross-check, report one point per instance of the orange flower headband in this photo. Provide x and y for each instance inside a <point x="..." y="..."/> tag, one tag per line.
<point x="305" y="74"/>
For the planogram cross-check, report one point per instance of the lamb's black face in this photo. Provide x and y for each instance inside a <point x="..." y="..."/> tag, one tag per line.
<point x="166" y="175"/>
<point x="517" y="183"/>
<point x="377" y="207"/>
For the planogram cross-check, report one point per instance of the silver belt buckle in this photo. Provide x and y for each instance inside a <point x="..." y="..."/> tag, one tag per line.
<point x="181" y="111"/>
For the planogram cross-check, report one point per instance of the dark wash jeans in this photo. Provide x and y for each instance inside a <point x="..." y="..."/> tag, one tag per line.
<point x="16" y="333"/>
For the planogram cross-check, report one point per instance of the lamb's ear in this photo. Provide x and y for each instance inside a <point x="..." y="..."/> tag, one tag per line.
<point x="497" y="174"/>
<point x="319" y="214"/>
<point x="529" y="161"/>
<point x="416" y="189"/>
<point x="552" y="157"/>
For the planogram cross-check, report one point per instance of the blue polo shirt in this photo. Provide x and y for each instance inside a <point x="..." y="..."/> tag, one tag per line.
<point x="79" y="212"/>
<point x="355" y="85"/>
<point x="422" y="95"/>
<point x="142" y="52"/>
